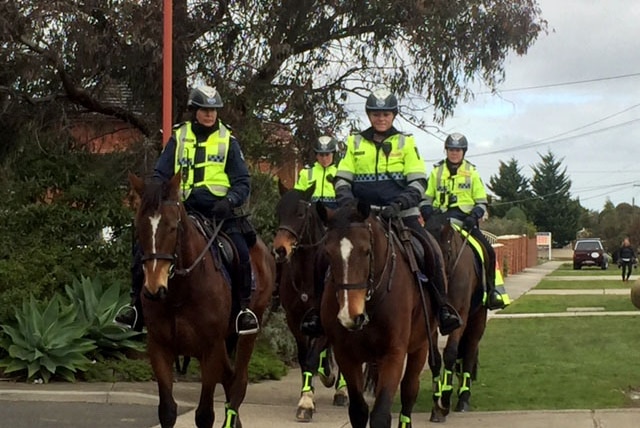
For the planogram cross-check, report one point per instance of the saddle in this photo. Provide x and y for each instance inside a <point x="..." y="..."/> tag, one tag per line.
<point x="223" y="250"/>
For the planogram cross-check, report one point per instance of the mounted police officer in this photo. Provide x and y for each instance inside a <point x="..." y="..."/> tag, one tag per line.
<point x="382" y="167"/>
<point x="456" y="189"/>
<point x="321" y="173"/>
<point x="215" y="181"/>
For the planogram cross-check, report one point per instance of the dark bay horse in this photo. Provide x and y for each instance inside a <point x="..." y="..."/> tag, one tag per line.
<point x="298" y="238"/>
<point x="373" y="312"/>
<point x="187" y="303"/>
<point x="466" y="295"/>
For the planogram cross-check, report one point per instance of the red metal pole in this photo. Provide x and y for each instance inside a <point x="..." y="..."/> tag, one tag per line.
<point x="167" y="69"/>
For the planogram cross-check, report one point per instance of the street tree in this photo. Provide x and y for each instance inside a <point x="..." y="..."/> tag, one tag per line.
<point x="511" y="188"/>
<point x="552" y="209"/>
<point x="293" y="62"/>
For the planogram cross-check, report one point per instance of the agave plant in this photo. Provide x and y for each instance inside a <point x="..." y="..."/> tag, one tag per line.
<point x="98" y="306"/>
<point x="47" y="339"/>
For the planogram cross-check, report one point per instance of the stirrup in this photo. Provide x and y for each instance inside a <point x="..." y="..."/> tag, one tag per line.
<point x="495" y="301"/>
<point x="122" y="313"/>
<point x="250" y="330"/>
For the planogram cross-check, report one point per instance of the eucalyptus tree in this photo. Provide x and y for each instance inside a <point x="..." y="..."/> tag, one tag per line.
<point x="292" y="62"/>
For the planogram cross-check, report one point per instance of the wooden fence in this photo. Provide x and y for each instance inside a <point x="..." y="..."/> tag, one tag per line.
<point x="515" y="253"/>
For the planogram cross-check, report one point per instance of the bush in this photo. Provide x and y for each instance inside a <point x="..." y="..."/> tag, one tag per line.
<point x="98" y="307"/>
<point x="46" y="340"/>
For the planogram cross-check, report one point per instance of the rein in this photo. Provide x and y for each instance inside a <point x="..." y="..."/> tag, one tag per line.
<point x="174" y="257"/>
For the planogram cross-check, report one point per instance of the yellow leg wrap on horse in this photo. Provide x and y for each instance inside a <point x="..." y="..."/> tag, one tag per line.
<point x="307" y="381"/>
<point x="405" y="421"/>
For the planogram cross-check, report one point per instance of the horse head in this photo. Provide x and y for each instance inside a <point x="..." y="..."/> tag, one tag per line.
<point x="357" y="250"/>
<point x="295" y="223"/>
<point x="158" y="222"/>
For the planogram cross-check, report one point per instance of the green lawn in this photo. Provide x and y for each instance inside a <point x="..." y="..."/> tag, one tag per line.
<point x="559" y="303"/>
<point x="551" y="284"/>
<point x="553" y="363"/>
<point x="566" y="269"/>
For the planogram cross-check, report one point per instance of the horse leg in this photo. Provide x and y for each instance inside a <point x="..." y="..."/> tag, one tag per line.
<point x="450" y="357"/>
<point x="340" y="397"/>
<point x="469" y="363"/>
<point x="162" y="365"/>
<point x="389" y="375"/>
<point x="238" y="389"/>
<point x="306" y="404"/>
<point x="435" y="365"/>
<point x="212" y="369"/>
<point x="358" y="408"/>
<point x="410" y="385"/>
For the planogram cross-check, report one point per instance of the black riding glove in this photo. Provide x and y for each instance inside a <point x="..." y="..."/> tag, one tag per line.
<point x="426" y="211"/>
<point x="223" y="209"/>
<point x="390" y="211"/>
<point x="469" y="223"/>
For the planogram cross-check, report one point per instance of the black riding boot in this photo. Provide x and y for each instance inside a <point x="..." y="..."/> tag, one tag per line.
<point x="495" y="300"/>
<point x="130" y="316"/>
<point x="448" y="317"/>
<point x="246" y="321"/>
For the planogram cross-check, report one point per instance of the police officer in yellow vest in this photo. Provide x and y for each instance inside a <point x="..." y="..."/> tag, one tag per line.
<point x="382" y="167"/>
<point x="321" y="173"/>
<point x="215" y="181"/>
<point x="456" y="189"/>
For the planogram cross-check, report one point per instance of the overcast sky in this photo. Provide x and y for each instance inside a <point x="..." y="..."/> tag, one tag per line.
<point x="596" y="123"/>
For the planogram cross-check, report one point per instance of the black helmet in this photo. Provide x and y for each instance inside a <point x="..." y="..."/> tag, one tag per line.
<point x="456" y="141"/>
<point x="325" y="144"/>
<point x="382" y="100"/>
<point x="204" y="97"/>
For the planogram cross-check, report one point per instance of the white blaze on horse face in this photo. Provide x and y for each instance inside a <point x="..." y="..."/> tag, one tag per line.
<point x="345" y="252"/>
<point x="155" y="222"/>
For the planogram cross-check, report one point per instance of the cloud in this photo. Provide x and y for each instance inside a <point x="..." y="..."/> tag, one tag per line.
<point x="588" y="40"/>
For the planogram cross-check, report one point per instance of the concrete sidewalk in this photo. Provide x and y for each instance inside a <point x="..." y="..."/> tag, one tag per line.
<point x="273" y="403"/>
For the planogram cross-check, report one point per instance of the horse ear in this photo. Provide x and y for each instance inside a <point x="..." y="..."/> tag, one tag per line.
<point x="323" y="213"/>
<point x="137" y="183"/>
<point x="282" y="189"/>
<point x="174" y="185"/>
<point x="309" y="192"/>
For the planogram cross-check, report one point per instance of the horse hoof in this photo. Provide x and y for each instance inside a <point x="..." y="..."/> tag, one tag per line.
<point x="340" y="400"/>
<point x="463" y="406"/>
<point x="437" y="416"/>
<point x="304" y="414"/>
<point x="327" y="381"/>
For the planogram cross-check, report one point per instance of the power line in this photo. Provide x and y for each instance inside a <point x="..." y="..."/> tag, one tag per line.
<point x="569" y="83"/>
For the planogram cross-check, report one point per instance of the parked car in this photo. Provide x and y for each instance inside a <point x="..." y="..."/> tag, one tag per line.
<point x="590" y="252"/>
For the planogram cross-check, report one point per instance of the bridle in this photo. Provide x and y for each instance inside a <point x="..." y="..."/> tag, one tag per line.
<point x="389" y="263"/>
<point x="174" y="258"/>
<point x="305" y="232"/>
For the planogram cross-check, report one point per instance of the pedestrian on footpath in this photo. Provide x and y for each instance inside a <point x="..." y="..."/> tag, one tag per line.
<point x="626" y="259"/>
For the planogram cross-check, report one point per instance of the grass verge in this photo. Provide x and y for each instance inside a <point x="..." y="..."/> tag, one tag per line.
<point x="554" y="363"/>
<point x="550" y="284"/>
<point x="559" y="303"/>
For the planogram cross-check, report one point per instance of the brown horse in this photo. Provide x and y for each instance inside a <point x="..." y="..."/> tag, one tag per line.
<point x="466" y="295"/>
<point x="374" y="312"/>
<point x="298" y="238"/>
<point x="187" y="303"/>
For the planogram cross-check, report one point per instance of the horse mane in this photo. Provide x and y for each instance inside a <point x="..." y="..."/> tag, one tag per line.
<point x="156" y="190"/>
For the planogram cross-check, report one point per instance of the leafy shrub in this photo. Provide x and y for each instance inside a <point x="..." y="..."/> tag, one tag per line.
<point x="98" y="307"/>
<point x="115" y="370"/>
<point x="46" y="340"/>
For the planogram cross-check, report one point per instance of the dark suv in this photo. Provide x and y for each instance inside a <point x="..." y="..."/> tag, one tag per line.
<point x="589" y="252"/>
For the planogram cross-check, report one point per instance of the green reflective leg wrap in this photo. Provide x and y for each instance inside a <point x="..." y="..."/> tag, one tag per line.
<point x="307" y="382"/>
<point x="230" y="417"/>
<point x="465" y="384"/>
<point x="447" y="382"/>
<point x="404" y="421"/>
<point x="341" y="382"/>
<point x="437" y="387"/>
<point x="322" y="357"/>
